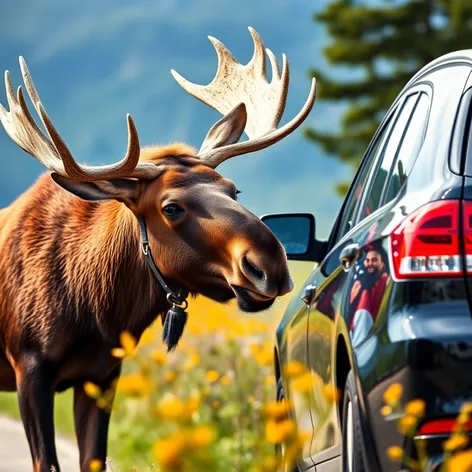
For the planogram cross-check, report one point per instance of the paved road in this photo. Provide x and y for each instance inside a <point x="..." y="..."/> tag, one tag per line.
<point x="14" y="451"/>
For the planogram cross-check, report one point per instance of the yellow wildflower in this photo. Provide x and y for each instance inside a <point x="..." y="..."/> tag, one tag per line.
<point x="92" y="390"/>
<point x="170" y="376"/>
<point x="212" y="376"/>
<point x="277" y="432"/>
<point x="304" y="436"/>
<point x="225" y="380"/>
<point x="393" y="394"/>
<point x="201" y="436"/>
<point x="135" y="385"/>
<point x="158" y="357"/>
<point x="172" y="408"/>
<point x="269" y="380"/>
<point x="386" y="410"/>
<point x="272" y="433"/>
<point x="407" y="424"/>
<point x="118" y="352"/>
<point x="96" y="465"/>
<point x="103" y="404"/>
<point x="305" y="382"/>
<point x="194" y="358"/>
<point x="170" y="452"/>
<point x="127" y="342"/>
<point x="332" y="394"/>
<point x="128" y="346"/>
<point x="275" y="409"/>
<point x="416" y="408"/>
<point x="462" y="419"/>
<point x="456" y="441"/>
<point x="460" y="462"/>
<point x="192" y="404"/>
<point x="395" y="453"/>
<point x="215" y="403"/>
<point x="466" y="408"/>
<point x="270" y="463"/>
<point x="294" y="368"/>
<point x="254" y="348"/>
<point x="265" y="357"/>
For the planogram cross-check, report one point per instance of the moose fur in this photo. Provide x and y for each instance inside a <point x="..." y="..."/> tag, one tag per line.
<point x="73" y="275"/>
<point x="73" y="278"/>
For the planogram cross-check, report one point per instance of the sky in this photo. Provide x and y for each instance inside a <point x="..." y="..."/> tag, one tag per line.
<point x="93" y="62"/>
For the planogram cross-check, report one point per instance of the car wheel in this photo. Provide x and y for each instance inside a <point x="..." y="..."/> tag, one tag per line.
<point x="353" y="442"/>
<point x="280" y="448"/>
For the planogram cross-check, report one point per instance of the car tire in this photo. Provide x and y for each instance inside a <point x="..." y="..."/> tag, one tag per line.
<point x="280" y="396"/>
<point x="353" y="440"/>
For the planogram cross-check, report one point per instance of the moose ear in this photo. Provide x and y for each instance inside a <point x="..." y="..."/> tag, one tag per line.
<point x="123" y="190"/>
<point x="228" y="130"/>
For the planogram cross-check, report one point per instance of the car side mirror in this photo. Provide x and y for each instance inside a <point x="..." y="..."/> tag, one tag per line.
<point x="296" y="232"/>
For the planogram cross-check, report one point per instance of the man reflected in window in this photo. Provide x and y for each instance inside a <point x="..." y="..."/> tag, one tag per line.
<point x="367" y="290"/>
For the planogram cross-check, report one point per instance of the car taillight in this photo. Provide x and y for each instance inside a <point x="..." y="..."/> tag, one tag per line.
<point x="442" y="426"/>
<point x="426" y="243"/>
<point x="467" y="224"/>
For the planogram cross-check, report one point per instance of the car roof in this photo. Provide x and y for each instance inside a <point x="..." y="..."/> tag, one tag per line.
<point x="452" y="58"/>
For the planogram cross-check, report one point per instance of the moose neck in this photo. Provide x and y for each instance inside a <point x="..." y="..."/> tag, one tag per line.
<point x="120" y="288"/>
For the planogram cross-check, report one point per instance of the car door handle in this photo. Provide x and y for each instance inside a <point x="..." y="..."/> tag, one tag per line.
<point x="349" y="254"/>
<point x="309" y="294"/>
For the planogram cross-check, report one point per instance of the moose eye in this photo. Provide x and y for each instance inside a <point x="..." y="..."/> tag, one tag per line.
<point x="172" y="210"/>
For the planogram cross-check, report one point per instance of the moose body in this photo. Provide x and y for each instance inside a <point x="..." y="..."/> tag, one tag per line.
<point x="73" y="272"/>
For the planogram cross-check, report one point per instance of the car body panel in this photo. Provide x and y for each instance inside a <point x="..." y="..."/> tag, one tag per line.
<point x="293" y="334"/>
<point x="416" y="332"/>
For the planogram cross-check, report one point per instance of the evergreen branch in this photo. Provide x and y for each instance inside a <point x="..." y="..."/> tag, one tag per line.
<point x="357" y="21"/>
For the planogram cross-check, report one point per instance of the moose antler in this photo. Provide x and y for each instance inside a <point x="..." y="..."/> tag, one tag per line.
<point x="53" y="152"/>
<point x="264" y="101"/>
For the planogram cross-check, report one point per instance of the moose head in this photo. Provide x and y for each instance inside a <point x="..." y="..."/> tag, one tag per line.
<point x="203" y="240"/>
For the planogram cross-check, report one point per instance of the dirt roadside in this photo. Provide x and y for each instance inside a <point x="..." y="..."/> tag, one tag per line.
<point x="15" y="454"/>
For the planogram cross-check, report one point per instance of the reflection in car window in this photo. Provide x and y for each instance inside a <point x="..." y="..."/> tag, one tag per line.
<point x="361" y="180"/>
<point x="355" y="195"/>
<point x="292" y="232"/>
<point x="389" y="152"/>
<point x="409" y="149"/>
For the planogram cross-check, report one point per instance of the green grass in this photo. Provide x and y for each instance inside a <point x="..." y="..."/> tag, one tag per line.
<point x="64" y="420"/>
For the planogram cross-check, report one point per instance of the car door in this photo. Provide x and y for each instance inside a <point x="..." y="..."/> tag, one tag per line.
<point x="295" y="354"/>
<point x="350" y="274"/>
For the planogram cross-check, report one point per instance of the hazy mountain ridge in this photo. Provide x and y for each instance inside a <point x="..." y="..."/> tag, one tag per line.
<point x="93" y="62"/>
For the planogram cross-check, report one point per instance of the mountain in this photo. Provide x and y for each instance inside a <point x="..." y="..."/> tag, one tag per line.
<point x="93" y="62"/>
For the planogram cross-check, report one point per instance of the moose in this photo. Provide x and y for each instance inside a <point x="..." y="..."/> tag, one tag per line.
<point x="90" y="251"/>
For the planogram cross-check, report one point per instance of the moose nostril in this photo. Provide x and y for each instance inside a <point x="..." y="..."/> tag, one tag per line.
<point x="251" y="269"/>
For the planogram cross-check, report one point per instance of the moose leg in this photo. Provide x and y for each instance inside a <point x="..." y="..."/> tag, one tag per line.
<point x="35" y="386"/>
<point x="91" y="423"/>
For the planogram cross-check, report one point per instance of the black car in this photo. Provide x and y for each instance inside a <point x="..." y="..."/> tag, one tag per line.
<point x="389" y="299"/>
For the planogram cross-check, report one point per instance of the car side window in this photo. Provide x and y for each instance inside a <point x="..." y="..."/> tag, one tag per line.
<point x="389" y="152"/>
<point x="356" y="191"/>
<point x="409" y="149"/>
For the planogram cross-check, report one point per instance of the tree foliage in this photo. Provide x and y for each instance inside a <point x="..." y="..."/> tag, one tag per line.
<point x="385" y="45"/>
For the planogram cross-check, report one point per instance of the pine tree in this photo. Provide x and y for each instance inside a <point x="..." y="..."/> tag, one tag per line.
<point x="388" y="44"/>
